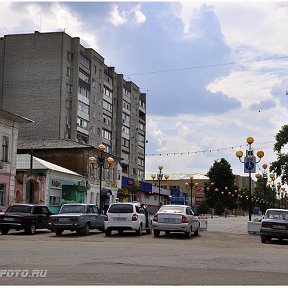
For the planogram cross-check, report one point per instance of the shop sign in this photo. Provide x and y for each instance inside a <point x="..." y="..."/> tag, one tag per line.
<point x="55" y="184"/>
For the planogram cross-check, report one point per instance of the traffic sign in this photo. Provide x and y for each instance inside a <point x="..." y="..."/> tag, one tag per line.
<point x="249" y="164"/>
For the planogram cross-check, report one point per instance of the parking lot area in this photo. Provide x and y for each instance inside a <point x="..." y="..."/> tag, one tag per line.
<point x="225" y="254"/>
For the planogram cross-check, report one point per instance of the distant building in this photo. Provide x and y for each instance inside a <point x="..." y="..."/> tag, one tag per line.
<point x="9" y="126"/>
<point x="176" y="183"/>
<point x="71" y="94"/>
<point x="242" y="182"/>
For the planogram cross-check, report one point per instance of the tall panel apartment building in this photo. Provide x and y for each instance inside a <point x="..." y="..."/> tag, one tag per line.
<point x="69" y="93"/>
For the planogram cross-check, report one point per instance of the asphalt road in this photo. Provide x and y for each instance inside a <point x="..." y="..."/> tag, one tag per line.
<point x="219" y="256"/>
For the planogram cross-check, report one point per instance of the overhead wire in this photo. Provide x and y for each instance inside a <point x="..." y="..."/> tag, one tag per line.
<point x="205" y="66"/>
<point x="203" y="151"/>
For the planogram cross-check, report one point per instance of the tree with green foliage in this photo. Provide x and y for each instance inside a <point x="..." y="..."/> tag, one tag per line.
<point x="219" y="207"/>
<point x="280" y="166"/>
<point x="203" y="208"/>
<point x="221" y="186"/>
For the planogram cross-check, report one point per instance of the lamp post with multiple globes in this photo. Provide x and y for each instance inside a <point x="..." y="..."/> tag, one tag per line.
<point x="190" y="185"/>
<point x="160" y="176"/>
<point x="100" y="161"/>
<point x="249" y="165"/>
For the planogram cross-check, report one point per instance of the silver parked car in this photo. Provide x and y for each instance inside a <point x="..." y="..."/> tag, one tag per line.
<point x="274" y="225"/>
<point x="175" y="218"/>
<point x="77" y="217"/>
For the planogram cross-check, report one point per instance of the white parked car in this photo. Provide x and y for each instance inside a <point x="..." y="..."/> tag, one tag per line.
<point x="175" y="218"/>
<point x="127" y="216"/>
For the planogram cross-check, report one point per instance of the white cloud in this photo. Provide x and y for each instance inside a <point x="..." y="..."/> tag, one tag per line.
<point x="55" y="17"/>
<point x="248" y="87"/>
<point x="116" y="17"/>
<point x="139" y="15"/>
<point x="258" y="25"/>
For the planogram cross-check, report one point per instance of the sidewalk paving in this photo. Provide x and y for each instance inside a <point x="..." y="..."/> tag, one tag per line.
<point x="231" y="224"/>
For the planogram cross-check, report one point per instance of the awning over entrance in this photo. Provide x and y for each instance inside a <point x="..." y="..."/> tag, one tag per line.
<point x="106" y="192"/>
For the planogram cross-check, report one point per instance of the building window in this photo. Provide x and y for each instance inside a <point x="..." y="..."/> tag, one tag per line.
<point x="68" y="88"/>
<point x="95" y="69"/>
<point x="54" y="201"/>
<point x="125" y="118"/>
<point x="84" y="61"/>
<point x="5" y="148"/>
<point x="126" y="92"/>
<point x="125" y="142"/>
<point x="82" y="123"/>
<point x="68" y="71"/>
<point x="2" y="194"/>
<point x="83" y="76"/>
<point x="107" y="120"/>
<point x="107" y="92"/>
<point x="126" y="105"/>
<point x="126" y="130"/>
<point x="83" y="107"/>
<point x="141" y="126"/>
<point x="69" y="56"/>
<point x="106" y="134"/>
<point x="107" y="106"/>
<point x="84" y="92"/>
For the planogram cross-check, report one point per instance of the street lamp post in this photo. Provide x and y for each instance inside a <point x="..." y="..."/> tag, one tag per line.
<point x="160" y="178"/>
<point x="250" y="165"/>
<point x="265" y="180"/>
<point x="190" y="184"/>
<point x="272" y="177"/>
<point x="101" y="164"/>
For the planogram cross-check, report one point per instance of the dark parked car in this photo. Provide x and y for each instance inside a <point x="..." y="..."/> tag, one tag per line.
<point x="77" y="217"/>
<point x="25" y="216"/>
<point x="274" y="225"/>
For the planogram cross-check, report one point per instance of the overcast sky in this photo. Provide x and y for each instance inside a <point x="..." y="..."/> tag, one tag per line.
<point x="215" y="72"/>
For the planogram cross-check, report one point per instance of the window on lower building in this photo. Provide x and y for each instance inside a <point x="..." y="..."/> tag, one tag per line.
<point x="54" y="201"/>
<point x="2" y="194"/>
<point x="5" y="148"/>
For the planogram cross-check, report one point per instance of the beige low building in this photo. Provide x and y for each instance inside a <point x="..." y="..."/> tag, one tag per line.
<point x="182" y="182"/>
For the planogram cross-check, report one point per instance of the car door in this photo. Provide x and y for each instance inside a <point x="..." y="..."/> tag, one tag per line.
<point x="194" y="219"/>
<point x="38" y="216"/>
<point x="91" y="216"/>
<point x="45" y="217"/>
<point x="99" y="218"/>
<point x="141" y="215"/>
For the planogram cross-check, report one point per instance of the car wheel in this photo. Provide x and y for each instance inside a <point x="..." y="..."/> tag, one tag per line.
<point x="189" y="233"/>
<point x="86" y="229"/>
<point x="196" y="233"/>
<point x="108" y="232"/>
<point x="58" y="232"/>
<point x="4" y="231"/>
<point x="139" y="231"/>
<point x="263" y="239"/>
<point x="156" y="233"/>
<point x="31" y="230"/>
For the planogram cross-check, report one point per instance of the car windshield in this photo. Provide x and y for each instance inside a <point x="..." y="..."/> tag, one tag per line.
<point x="171" y="209"/>
<point x="72" y="209"/>
<point x="121" y="208"/>
<point x="278" y="215"/>
<point x="20" y="208"/>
